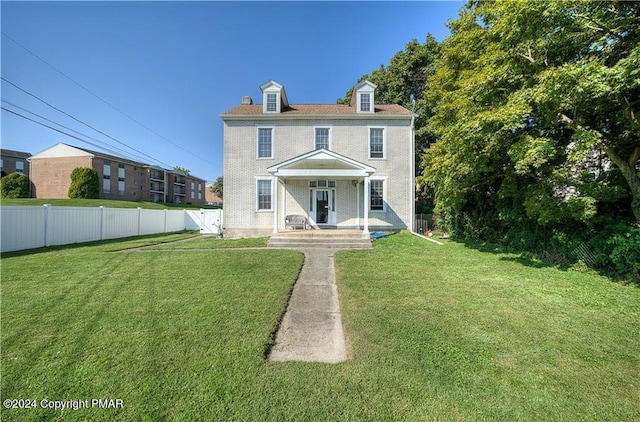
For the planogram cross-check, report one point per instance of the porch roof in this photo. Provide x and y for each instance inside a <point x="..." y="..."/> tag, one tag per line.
<point x="321" y="163"/>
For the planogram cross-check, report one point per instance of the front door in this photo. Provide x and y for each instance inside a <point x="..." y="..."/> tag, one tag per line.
<point x="322" y="206"/>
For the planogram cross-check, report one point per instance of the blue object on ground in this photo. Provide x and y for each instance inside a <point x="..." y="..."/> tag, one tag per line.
<point x="377" y="235"/>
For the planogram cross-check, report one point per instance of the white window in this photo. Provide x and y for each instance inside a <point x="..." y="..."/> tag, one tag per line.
<point x="1" y="164"/>
<point x="322" y="138"/>
<point x="365" y="102"/>
<point x="106" y="176"/>
<point x="272" y="102"/>
<point x="265" y="142"/>
<point x="263" y="197"/>
<point x="20" y="166"/>
<point x="378" y="195"/>
<point x="376" y="142"/>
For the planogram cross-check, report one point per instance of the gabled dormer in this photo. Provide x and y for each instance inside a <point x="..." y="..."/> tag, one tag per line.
<point x="274" y="99"/>
<point x="363" y="97"/>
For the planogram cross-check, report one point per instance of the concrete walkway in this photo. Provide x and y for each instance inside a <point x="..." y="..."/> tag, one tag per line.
<point x="311" y="330"/>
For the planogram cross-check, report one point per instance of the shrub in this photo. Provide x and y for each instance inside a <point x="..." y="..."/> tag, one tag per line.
<point x="15" y="185"/>
<point x="625" y="254"/>
<point x="85" y="183"/>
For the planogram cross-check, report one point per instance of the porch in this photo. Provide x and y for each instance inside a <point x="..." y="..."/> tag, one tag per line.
<point x="329" y="190"/>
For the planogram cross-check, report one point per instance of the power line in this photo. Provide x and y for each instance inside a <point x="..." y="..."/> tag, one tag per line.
<point x="103" y="100"/>
<point x="106" y="147"/>
<point x="80" y="121"/>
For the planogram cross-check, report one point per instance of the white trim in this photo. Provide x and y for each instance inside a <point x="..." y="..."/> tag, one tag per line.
<point x="385" y="185"/>
<point x="358" y="169"/>
<point x="329" y="128"/>
<point x="384" y="142"/>
<point x="258" y="142"/>
<point x="256" y="195"/>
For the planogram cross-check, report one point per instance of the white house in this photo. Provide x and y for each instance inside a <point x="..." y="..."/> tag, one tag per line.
<point x="340" y="166"/>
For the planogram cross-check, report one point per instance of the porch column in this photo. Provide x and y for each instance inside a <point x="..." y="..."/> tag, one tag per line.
<point x="274" y="204"/>
<point x="365" y="205"/>
<point x="358" y="205"/>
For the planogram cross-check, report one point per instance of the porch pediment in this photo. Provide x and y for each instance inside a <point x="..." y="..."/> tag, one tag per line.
<point x="321" y="163"/>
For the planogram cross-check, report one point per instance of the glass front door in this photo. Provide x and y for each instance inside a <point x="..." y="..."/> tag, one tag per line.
<point x="322" y="206"/>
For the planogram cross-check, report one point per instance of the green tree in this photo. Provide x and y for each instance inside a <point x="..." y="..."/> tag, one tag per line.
<point x="403" y="81"/>
<point x="182" y="170"/>
<point x="536" y="107"/>
<point x="85" y="183"/>
<point x="15" y="185"/>
<point x="216" y="187"/>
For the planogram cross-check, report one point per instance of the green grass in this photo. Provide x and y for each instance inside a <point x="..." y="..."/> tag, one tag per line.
<point x="108" y="203"/>
<point x="434" y="332"/>
<point x="210" y="242"/>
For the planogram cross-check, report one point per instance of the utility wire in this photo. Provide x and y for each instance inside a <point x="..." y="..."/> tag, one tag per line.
<point x="109" y="148"/>
<point x="50" y="127"/>
<point x="105" y="101"/>
<point x="80" y="121"/>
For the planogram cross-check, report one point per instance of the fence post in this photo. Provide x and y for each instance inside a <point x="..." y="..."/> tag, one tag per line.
<point x="139" y="219"/>
<point x="101" y="222"/>
<point x="45" y="237"/>
<point x="165" y="221"/>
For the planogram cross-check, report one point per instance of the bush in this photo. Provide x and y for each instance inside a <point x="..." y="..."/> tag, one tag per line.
<point x="15" y="185"/>
<point x="625" y="255"/>
<point x="85" y="183"/>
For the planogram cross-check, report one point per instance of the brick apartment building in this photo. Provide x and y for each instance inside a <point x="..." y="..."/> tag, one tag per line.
<point x="14" y="162"/>
<point x="120" y="178"/>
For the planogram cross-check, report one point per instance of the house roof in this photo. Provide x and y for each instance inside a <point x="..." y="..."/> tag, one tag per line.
<point x="318" y="109"/>
<point x="16" y="154"/>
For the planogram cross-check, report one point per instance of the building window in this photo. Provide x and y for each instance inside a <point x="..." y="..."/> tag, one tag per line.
<point x="265" y="143"/>
<point x="20" y="166"/>
<point x="121" y="179"/>
<point x="322" y="138"/>
<point x="365" y="102"/>
<point x="106" y="176"/>
<point x="272" y="103"/>
<point x="377" y="195"/>
<point x="376" y="143"/>
<point x="264" y="195"/>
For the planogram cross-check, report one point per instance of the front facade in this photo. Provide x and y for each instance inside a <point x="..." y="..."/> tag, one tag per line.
<point x="120" y="178"/>
<point x="339" y="166"/>
<point x="14" y="162"/>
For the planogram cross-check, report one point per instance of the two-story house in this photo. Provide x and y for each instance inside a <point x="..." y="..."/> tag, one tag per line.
<point x="341" y="166"/>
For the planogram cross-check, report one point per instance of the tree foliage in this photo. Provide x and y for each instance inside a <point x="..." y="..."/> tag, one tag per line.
<point x="15" y="185"/>
<point x="540" y="98"/>
<point x="85" y="183"/>
<point x="216" y="187"/>
<point x="404" y="81"/>
<point x="536" y="117"/>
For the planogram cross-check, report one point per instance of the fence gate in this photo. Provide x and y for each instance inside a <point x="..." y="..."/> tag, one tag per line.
<point x="424" y="222"/>
<point x="211" y="221"/>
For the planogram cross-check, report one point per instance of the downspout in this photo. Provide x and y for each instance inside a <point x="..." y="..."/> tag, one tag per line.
<point x="412" y="141"/>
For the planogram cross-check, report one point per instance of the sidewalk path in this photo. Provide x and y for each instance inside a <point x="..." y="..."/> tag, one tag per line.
<point x="311" y="329"/>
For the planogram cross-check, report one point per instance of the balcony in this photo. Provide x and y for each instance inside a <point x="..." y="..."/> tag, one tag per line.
<point x="156" y="175"/>
<point x="156" y="187"/>
<point x="179" y="180"/>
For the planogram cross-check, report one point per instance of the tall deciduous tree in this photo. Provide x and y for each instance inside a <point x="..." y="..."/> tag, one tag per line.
<point x="217" y="187"/>
<point x="536" y="113"/>
<point x="403" y="81"/>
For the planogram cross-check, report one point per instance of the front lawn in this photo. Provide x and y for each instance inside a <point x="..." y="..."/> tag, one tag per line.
<point x="434" y="332"/>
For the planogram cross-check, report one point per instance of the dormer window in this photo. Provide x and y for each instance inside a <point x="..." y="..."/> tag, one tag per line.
<point x="363" y="97"/>
<point x="365" y="102"/>
<point x="272" y="102"/>
<point x="274" y="99"/>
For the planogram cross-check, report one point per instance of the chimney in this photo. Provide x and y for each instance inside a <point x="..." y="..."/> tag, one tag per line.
<point x="246" y="100"/>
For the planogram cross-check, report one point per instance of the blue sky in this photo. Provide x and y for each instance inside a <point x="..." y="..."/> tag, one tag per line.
<point x="155" y="76"/>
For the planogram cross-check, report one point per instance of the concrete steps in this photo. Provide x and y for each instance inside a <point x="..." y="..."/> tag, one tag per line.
<point x="335" y="239"/>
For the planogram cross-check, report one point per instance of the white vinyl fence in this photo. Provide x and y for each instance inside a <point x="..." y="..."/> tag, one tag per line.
<point x="34" y="227"/>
